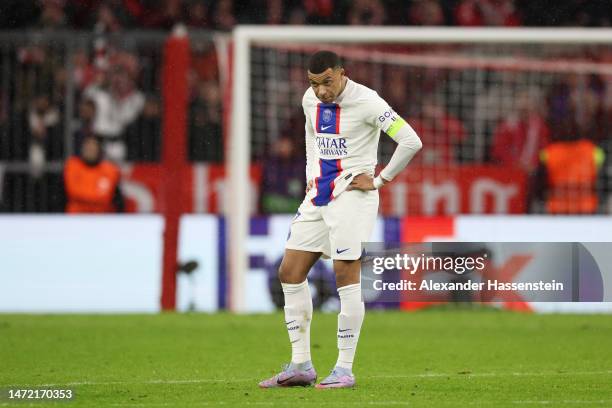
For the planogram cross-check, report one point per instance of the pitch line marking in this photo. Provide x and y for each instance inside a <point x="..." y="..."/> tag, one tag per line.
<point x="220" y="380"/>
<point x="547" y="402"/>
<point x="509" y="374"/>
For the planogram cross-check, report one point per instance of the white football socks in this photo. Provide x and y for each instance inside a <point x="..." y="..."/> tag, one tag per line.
<point x="352" y="311"/>
<point x="298" y="314"/>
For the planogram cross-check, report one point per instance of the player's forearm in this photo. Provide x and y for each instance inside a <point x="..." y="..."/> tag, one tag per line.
<point x="408" y="145"/>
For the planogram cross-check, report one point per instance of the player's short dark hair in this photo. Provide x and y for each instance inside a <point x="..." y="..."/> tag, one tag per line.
<point x="322" y="60"/>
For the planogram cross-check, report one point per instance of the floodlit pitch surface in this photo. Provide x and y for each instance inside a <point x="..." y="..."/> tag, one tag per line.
<point x="443" y="358"/>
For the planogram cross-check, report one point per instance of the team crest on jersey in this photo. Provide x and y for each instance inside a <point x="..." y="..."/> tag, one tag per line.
<point x="327" y="115"/>
<point x="328" y="118"/>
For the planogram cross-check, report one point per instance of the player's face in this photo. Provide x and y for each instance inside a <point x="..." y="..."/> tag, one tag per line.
<point x="328" y="84"/>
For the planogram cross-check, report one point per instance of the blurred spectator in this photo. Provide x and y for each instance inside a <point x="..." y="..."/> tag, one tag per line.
<point x="204" y="61"/>
<point x="91" y="183"/>
<point x="5" y="140"/>
<point x="112" y="15"/>
<point x="296" y="16"/>
<point x="577" y="108"/>
<point x="283" y="178"/>
<point x="53" y="15"/>
<point x="107" y="18"/>
<point x="205" y="130"/>
<point x="45" y="133"/>
<point x="83" y="72"/>
<point x="441" y="132"/>
<point x="594" y="13"/>
<point x="321" y="11"/>
<point x="37" y="71"/>
<point x="493" y="103"/>
<point x="117" y="105"/>
<point x="569" y="174"/>
<point x="519" y="138"/>
<point x="18" y="14"/>
<point x="426" y="13"/>
<point x="155" y="14"/>
<point x="366" y="12"/>
<point x="143" y="136"/>
<point x="84" y="124"/>
<point x="197" y="14"/>
<point x="361" y="72"/>
<point x="487" y="13"/>
<point x="223" y="15"/>
<point x="275" y="12"/>
<point x="395" y="92"/>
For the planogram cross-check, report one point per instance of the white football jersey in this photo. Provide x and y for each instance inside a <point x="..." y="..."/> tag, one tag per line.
<point x="342" y="138"/>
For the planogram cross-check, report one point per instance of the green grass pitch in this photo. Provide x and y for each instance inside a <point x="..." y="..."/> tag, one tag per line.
<point x="437" y="358"/>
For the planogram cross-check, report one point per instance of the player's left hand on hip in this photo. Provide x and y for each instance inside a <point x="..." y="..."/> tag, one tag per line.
<point x="363" y="182"/>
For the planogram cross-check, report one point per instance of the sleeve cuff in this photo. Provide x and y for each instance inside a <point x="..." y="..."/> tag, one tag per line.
<point x="378" y="182"/>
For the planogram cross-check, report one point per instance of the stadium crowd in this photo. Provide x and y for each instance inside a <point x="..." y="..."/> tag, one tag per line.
<point x="115" y="91"/>
<point x="115" y="15"/>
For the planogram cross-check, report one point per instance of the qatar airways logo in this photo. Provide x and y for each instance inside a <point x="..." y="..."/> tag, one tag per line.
<point x="329" y="146"/>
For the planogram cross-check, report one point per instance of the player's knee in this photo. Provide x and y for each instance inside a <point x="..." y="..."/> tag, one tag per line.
<point x="347" y="272"/>
<point x="282" y="272"/>
<point x="286" y="274"/>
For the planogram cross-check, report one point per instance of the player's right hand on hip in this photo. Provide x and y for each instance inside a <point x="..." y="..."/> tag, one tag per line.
<point x="363" y="182"/>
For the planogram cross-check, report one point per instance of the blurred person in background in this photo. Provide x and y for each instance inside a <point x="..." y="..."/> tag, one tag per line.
<point x="5" y="141"/>
<point x="83" y="125"/>
<point x="205" y="126"/>
<point x="107" y="17"/>
<point x="440" y="130"/>
<point x="321" y="11"/>
<point x="45" y="133"/>
<point x="118" y="103"/>
<point x="283" y="178"/>
<point x="396" y="91"/>
<point x="224" y="16"/>
<point x="53" y="14"/>
<point x="593" y="13"/>
<point x="198" y="14"/>
<point x="426" y="13"/>
<point x="296" y="16"/>
<point x="569" y="172"/>
<point x="577" y="107"/>
<point x="91" y="184"/>
<point x="487" y="13"/>
<point x="366" y="12"/>
<point x="143" y="136"/>
<point x="275" y="12"/>
<point x="155" y="13"/>
<point x="518" y="139"/>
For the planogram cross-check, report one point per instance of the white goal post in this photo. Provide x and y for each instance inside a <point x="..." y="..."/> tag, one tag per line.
<point x="239" y="145"/>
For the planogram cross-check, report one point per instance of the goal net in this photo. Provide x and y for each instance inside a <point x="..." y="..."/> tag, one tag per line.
<point x="485" y="102"/>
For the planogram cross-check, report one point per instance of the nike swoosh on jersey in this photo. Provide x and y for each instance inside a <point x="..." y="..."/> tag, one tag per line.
<point x="341" y="251"/>
<point x="325" y="127"/>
